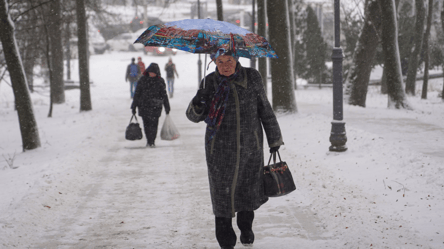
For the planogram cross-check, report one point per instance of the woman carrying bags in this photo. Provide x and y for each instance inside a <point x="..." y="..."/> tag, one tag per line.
<point x="149" y="97"/>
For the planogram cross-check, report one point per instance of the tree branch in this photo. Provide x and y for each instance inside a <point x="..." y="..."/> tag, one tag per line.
<point x="32" y="8"/>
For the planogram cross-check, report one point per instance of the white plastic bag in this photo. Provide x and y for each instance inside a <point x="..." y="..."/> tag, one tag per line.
<point x="169" y="130"/>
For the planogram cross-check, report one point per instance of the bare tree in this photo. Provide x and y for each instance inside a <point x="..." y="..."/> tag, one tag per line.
<point x="392" y="63"/>
<point x="27" y="40"/>
<point x="291" y="11"/>
<point x="363" y="57"/>
<point x="261" y="30"/>
<point x="55" y="37"/>
<point x="281" y="68"/>
<point x="442" y="26"/>
<point x="220" y="10"/>
<point x="426" y="51"/>
<point x="410" y="86"/>
<point x="28" y="124"/>
<point x="85" y="95"/>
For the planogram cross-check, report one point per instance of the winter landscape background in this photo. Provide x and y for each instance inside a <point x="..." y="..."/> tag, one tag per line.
<point x="88" y="187"/>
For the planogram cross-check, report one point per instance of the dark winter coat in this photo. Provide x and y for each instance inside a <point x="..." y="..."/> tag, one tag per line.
<point x="151" y="94"/>
<point x="170" y="70"/>
<point x="235" y="157"/>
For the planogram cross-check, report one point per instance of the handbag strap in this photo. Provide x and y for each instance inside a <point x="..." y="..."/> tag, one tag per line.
<point x="134" y="116"/>
<point x="274" y="157"/>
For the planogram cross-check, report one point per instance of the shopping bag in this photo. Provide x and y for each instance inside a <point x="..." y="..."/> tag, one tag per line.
<point x="278" y="180"/>
<point x="169" y="130"/>
<point x="133" y="131"/>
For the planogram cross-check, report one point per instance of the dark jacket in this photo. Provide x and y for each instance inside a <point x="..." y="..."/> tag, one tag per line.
<point x="235" y="157"/>
<point x="170" y="70"/>
<point x="151" y="94"/>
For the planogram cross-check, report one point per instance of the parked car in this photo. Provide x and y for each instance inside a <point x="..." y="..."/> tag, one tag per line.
<point x="97" y="44"/>
<point x="139" y="22"/>
<point x="154" y="50"/>
<point x="74" y="51"/>
<point x="124" y="42"/>
<point x="96" y="40"/>
<point x="160" y="51"/>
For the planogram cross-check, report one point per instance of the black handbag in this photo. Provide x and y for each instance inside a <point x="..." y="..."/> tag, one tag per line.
<point x="133" y="131"/>
<point x="278" y="180"/>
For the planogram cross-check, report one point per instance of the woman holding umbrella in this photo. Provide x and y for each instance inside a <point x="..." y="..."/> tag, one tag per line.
<point x="233" y="103"/>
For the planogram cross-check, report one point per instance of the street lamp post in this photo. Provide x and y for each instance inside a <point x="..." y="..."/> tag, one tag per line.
<point x="338" y="137"/>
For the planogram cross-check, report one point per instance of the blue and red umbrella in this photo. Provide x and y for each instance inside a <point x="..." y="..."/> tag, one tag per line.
<point x="206" y="36"/>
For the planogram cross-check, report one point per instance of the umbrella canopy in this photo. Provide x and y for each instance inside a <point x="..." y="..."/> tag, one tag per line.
<point x="206" y="36"/>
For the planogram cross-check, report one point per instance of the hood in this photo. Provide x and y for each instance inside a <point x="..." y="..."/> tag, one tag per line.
<point x="153" y="67"/>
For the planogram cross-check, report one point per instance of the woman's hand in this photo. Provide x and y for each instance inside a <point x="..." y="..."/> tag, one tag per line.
<point x="274" y="149"/>
<point x="202" y="96"/>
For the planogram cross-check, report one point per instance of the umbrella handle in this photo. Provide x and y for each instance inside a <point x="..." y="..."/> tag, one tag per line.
<point x="205" y="70"/>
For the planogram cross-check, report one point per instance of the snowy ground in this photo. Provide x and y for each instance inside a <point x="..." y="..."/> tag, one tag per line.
<point x="88" y="187"/>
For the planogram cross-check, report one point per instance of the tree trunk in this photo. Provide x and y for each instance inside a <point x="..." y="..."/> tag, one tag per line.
<point x="220" y="9"/>
<point x="55" y="35"/>
<point x="392" y="63"/>
<point x="292" y="34"/>
<point x="442" y="26"/>
<point x="85" y="95"/>
<point x="261" y="30"/>
<point x="426" y="51"/>
<point x="364" y="55"/>
<point x="281" y="68"/>
<point x="410" y="86"/>
<point x="27" y="122"/>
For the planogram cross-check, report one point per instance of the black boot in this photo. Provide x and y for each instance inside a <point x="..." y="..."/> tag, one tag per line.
<point x="225" y="234"/>
<point x="245" y="223"/>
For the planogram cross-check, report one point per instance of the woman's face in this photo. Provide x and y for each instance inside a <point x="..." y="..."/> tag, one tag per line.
<point x="152" y="74"/>
<point x="226" y="65"/>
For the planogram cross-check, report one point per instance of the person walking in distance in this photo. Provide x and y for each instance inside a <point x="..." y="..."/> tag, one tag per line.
<point x="149" y="97"/>
<point x="132" y="74"/>
<point x="141" y="65"/>
<point x="170" y="69"/>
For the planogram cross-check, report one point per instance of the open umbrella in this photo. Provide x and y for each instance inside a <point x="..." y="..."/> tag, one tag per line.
<point x="206" y="36"/>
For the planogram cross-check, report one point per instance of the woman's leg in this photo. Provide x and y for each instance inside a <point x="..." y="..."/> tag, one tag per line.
<point x="245" y="224"/>
<point x="150" y="127"/>
<point x="225" y="234"/>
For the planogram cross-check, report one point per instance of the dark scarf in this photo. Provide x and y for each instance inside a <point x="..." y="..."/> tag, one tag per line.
<point x="219" y="103"/>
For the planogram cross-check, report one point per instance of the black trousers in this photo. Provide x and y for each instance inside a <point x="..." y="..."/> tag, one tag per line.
<point x="150" y="127"/>
<point x="225" y="235"/>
